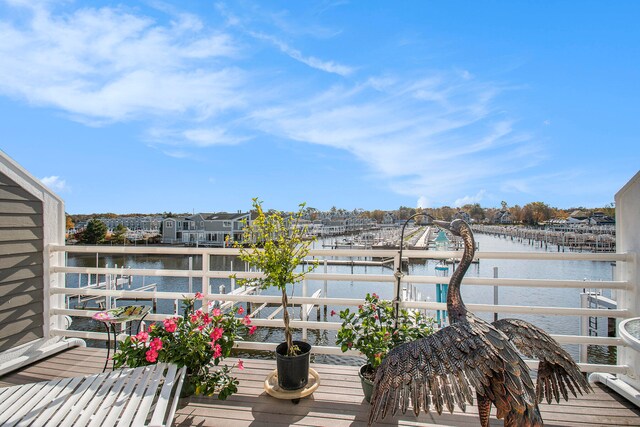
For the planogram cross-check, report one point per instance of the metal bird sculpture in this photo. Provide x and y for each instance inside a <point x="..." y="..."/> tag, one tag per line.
<point x="442" y="370"/>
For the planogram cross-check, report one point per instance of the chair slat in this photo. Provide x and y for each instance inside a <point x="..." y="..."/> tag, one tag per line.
<point x="107" y="403"/>
<point x="23" y="399"/>
<point x="135" y="402"/>
<point x="135" y="376"/>
<point x="97" y="399"/>
<point x="126" y="397"/>
<point x="35" y="405"/>
<point x="52" y="408"/>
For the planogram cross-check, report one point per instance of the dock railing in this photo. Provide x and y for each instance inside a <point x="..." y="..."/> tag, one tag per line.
<point x="626" y="261"/>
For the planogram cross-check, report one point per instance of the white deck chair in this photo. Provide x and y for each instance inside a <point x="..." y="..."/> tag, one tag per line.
<point x="129" y="397"/>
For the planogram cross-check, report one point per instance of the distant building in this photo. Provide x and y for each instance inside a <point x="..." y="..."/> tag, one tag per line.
<point x="599" y="218"/>
<point x="207" y="229"/>
<point x="149" y="224"/>
<point x="463" y="216"/>
<point x="502" y="217"/>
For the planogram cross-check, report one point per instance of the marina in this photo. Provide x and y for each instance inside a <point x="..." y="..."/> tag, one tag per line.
<point x="592" y="239"/>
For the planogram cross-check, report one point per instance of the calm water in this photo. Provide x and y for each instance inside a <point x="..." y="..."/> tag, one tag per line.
<point x="574" y="270"/>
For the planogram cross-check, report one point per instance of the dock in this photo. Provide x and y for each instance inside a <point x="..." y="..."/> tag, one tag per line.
<point x="587" y="239"/>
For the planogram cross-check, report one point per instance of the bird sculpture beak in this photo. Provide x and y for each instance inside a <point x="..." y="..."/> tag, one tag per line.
<point x="442" y="224"/>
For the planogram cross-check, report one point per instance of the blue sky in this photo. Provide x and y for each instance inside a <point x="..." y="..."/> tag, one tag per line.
<point x="201" y="105"/>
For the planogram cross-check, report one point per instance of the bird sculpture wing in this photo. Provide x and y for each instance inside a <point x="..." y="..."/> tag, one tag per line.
<point x="441" y="369"/>
<point x="557" y="372"/>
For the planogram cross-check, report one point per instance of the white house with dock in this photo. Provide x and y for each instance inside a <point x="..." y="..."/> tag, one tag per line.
<point x="205" y="229"/>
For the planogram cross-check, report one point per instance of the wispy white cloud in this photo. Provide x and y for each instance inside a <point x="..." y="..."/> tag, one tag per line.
<point x="311" y="61"/>
<point x="434" y="136"/>
<point x="429" y="137"/>
<point x="55" y="183"/>
<point x="194" y="137"/>
<point x="108" y="64"/>
<point x="470" y="199"/>
<point x="422" y="202"/>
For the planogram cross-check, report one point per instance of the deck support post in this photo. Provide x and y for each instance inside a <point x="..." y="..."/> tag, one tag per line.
<point x="627" y="231"/>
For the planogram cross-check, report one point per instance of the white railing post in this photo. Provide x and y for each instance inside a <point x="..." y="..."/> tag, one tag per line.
<point x="233" y="280"/>
<point x="324" y="289"/>
<point x="206" y="261"/>
<point x="627" y="241"/>
<point x="584" y="326"/>
<point x="303" y="309"/>
<point x="190" y="277"/>
<point x="397" y="268"/>
<point x="495" y="293"/>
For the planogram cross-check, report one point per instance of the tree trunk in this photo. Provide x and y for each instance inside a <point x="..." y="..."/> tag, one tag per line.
<point x="285" y="318"/>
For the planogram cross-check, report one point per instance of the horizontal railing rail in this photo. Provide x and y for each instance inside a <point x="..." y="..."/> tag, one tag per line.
<point x="320" y="255"/>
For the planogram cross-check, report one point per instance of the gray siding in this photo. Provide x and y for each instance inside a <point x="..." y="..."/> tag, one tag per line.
<point x="21" y="265"/>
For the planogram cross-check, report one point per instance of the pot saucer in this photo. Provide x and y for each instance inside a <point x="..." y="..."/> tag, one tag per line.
<point x="272" y="388"/>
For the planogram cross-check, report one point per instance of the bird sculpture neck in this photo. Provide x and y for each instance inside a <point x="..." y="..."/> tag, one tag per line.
<point x="455" y="306"/>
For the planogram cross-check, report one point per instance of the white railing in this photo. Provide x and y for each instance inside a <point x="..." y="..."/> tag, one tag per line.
<point x="206" y="274"/>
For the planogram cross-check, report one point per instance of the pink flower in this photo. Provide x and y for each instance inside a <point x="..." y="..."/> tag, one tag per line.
<point x="170" y="325"/>
<point x="375" y="295"/>
<point x="349" y="344"/>
<point x="156" y="344"/>
<point x="333" y="312"/>
<point x="246" y="320"/>
<point x="376" y="317"/>
<point x="216" y="312"/>
<point x="216" y="334"/>
<point x="240" y="310"/>
<point x="360" y="307"/>
<point x="193" y="318"/>
<point x="217" y="350"/>
<point x="252" y="330"/>
<point x="201" y="328"/>
<point x="206" y="319"/>
<point x="151" y="356"/>
<point x="142" y="336"/>
<point x="199" y="295"/>
<point x="240" y="364"/>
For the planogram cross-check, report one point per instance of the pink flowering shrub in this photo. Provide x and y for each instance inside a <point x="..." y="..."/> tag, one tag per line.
<point x="372" y="330"/>
<point x="198" y="340"/>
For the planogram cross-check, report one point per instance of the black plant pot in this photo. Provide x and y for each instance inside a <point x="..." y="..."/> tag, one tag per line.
<point x="293" y="371"/>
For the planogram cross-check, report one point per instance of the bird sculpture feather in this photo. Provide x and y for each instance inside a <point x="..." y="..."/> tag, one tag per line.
<point x="470" y="356"/>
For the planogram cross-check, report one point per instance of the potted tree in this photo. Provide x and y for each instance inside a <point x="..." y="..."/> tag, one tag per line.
<point x="275" y="244"/>
<point x="371" y="330"/>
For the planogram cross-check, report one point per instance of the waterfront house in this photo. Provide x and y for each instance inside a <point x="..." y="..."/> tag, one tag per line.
<point x="600" y="219"/>
<point x="206" y="229"/>
<point x="502" y="217"/>
<point x="145" y="224"/>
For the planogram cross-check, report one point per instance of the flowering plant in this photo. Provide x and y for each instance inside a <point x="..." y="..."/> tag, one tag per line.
<point x="199" y="340"/>
<point x="372" y="329"/>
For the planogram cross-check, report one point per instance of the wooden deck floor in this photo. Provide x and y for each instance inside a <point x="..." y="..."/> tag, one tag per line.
<point x="337" y="402"/>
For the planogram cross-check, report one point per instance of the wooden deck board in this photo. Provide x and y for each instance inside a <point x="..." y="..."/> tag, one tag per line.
<point x="338" y="401"/>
